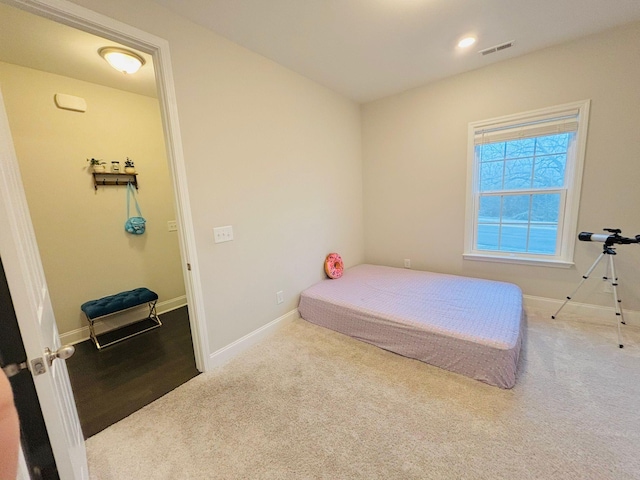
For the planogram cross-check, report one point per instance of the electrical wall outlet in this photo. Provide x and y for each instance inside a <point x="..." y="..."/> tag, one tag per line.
<point x="407" y="263"/>
<point x="279" y="297"/>
<point x="223" y="234"/>
<point x="172" y="226"/>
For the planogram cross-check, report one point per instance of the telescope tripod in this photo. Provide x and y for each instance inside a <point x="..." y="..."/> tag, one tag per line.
<point x="613" y="279"/>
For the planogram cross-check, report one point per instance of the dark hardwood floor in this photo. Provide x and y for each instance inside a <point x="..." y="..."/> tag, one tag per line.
<point x="111" y="384"/>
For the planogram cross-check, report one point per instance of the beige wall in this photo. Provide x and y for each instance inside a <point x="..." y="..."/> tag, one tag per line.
<point x="279" y="158"/>
<point x="85" y="251"/>
<point x="268" y="151"/>
<point x="415" y="160"/>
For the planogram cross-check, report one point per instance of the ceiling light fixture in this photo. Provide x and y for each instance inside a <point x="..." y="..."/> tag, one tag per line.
<point x="123" y="60"/>
<point x="466" y="42"/>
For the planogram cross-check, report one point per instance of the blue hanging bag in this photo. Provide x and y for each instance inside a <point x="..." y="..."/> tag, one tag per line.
<point x="134" y="225"/>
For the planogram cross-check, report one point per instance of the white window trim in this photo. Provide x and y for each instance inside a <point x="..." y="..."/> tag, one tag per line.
<point x="573" y="182"/>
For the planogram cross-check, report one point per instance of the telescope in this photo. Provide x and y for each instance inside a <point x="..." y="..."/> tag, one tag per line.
<point x="608" y="249"/>
<point x="612" y="238"/>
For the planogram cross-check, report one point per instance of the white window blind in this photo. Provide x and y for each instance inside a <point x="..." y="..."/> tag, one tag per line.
<point x="537" y="126"/>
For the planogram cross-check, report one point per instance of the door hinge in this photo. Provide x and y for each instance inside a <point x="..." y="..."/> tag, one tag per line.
<point x="13" y="369"/>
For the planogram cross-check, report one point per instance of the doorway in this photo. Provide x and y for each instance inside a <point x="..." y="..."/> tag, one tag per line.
<point x="197" y="335"/>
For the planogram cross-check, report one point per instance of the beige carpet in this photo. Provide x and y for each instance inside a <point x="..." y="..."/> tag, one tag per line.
<point x="309" y="403"/>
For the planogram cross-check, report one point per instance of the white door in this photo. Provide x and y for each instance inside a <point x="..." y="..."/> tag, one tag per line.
<point x="30" y="297"/>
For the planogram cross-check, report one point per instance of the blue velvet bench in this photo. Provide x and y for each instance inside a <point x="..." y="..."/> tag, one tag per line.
<point x="98" y="309"/>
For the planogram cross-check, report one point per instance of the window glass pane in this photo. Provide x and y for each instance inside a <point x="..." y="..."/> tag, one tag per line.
<point x="513" y="238"/>
<point x="520" y="148"/>
<point x="517" y="173"/>
<point x="549" y="171"/>
<point x="488" y="236"/>
<point x="515" y="208"/>
<point x="542" y="239"/>
<point x="489" y="211"/>
<point x="490" y="151"/>
<point x="545" y="207"/>
<point x="491" y="176"/>
<point x="552" y="143"/>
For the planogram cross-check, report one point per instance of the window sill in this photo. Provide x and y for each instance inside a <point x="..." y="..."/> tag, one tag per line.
<point x="539" y="262"/>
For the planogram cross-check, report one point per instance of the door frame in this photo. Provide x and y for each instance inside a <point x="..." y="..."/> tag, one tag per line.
<point x="92" y="22"/>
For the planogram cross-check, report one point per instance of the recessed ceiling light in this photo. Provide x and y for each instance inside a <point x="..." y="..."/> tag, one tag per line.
<point x="466" y="42"/>
<point x="123" y="60"/>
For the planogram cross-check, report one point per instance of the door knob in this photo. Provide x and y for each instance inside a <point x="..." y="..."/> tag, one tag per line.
<point x="62" y="353"/>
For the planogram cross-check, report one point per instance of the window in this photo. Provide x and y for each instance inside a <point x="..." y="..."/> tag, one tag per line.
<point x="524" y="179"/>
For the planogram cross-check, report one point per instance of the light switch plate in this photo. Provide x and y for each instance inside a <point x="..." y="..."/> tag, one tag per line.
<point x="223" y="234"/>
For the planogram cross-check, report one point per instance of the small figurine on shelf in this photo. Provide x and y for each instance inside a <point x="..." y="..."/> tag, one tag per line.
<point x="97" y="165"/>
<point x="129" y="167"/>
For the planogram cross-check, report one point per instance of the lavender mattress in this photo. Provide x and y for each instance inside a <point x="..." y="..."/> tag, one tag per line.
<point x="466" y="325"/>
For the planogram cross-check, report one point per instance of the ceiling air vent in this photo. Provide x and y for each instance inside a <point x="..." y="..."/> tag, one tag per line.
<point x="497" y="48"/>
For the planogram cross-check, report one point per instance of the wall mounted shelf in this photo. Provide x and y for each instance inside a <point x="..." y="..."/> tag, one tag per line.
<point x="109" y="178"/>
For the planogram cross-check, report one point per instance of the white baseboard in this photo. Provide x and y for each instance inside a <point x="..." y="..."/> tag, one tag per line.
<point x="171" y="304"/>
<point x="223" y="355"/>
<point x="580" y="311"/>
<point x="81" y="334"/>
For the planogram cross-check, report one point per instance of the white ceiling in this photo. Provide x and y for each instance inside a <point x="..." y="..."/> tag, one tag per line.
<point x="364" y="49"/>
<point x="367" y="49"/>
<point x="35" y="42"/>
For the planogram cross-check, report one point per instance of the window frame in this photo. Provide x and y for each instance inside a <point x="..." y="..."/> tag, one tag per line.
<point x="570" y="191"/>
